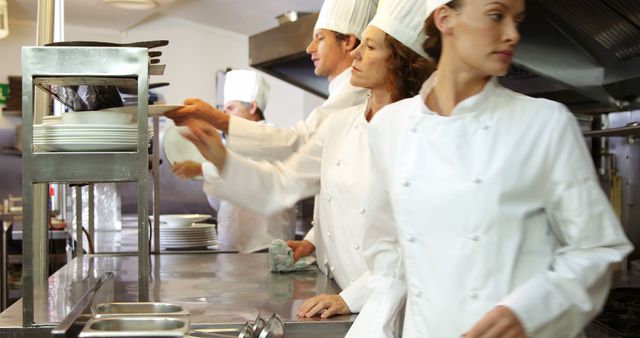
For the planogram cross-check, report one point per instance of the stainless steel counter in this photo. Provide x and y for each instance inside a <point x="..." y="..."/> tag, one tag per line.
<point x="220" y="290"/>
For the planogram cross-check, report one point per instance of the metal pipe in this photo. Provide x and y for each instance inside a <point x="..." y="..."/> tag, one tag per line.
<point x="156" y="184"/>
<point x="78" y="221"/>
<point x="3" y="292"/>
<point x="92" y="214"/>
<point x="35" y="240"/>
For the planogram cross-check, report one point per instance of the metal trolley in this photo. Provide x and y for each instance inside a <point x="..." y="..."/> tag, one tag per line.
<point x="45" y="66"/>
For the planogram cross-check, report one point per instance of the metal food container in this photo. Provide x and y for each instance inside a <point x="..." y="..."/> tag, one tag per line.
<point x="147" y="309"/>
<point x="136" y="327"/>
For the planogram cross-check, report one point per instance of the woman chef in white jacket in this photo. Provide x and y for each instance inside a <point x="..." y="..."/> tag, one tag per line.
<point x="390" y="62"/>
<point x="340" y="23"/>
<point x="245" y="96"/>
<point x="499" y="227"/>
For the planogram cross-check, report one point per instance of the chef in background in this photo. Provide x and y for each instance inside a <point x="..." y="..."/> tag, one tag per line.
<point x="500" y="228"/>
<point x="336" y="34"/>
<point x="245" y="96"/>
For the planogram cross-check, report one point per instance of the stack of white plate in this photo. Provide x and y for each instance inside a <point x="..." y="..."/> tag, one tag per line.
<point x="85" y="137"/>
<point x="197" y="235"/>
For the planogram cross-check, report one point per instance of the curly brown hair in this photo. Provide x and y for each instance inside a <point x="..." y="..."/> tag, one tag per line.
<point x="433" y="43"/>
<point x="407" y="70"/>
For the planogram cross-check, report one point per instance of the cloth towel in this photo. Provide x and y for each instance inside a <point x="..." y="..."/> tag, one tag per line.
<point x="281" y="258"/>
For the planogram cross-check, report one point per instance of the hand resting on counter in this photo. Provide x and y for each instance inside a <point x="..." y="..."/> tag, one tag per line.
<point x="325" y="305"/>
<point x="301" y="249"/>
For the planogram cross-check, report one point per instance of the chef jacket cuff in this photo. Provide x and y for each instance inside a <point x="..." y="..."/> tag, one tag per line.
<point x="311" y="236"/>
<point x="535" y="303"/>
<point x="239" y="127"/>
<point x="210" y="172"/>
<point x="356" y="294"/>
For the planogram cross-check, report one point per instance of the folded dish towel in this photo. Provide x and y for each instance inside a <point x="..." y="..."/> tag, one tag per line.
<point x="281" y="258"/>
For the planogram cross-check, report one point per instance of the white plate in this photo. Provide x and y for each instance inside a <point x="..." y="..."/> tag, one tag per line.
<point x="86" y="146"/>
<point x="85" y="126"/>
<point x="192" y="227"/>
<point x="99" y="117"/>
<point x="177" y="149"/>
<point x="192" y="244"/>
<point x="185" y="220"/>
<point x="154" y="109"/>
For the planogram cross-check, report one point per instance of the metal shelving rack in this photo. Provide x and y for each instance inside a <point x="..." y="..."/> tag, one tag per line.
<point x="44" y="66"/>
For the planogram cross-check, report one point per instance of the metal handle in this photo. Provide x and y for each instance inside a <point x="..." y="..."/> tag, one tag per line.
<point x="65" y="327"/>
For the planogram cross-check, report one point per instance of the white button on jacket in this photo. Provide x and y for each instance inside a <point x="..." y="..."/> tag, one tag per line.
<point x="548" y="235"/>
<point x="270" y="187"/>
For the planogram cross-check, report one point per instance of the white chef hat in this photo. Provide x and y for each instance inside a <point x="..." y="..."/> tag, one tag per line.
<point x="346" y="16"/>
<point x="433" y="4"/>
<point x="402" y="20"/>
<point x="246" y="86"/>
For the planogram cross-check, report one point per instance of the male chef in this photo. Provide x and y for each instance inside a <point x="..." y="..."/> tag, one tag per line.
<point x="245" y="97"/>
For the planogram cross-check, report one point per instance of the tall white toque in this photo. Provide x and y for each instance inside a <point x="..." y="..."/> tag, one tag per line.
<point x="403" y="20"/>
<point x="246" y="86"/>
<point x="346" y="16"/>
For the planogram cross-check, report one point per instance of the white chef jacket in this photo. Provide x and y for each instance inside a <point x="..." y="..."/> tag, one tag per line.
<point x="497" y="204"/>
<point x="247" y="231"/>
<point x="270" y="143"/>
<point x="330" y="164"/>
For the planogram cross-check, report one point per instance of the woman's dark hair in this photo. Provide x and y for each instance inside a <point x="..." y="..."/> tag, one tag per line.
<point x="433" y="44"/>
<point x="407" y="70"/>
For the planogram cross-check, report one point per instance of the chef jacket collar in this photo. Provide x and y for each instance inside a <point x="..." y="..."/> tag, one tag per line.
<point x="338" y="80"/>
<point x="473" y="104"/>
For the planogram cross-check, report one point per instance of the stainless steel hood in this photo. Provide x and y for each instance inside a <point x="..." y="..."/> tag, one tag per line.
<point x="583" y="53"/>
<point x="281" y="52"/>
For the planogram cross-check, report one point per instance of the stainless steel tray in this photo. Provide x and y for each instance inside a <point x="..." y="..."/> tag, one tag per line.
<point x="136" y="327"/>
<point x="138" y="309"/>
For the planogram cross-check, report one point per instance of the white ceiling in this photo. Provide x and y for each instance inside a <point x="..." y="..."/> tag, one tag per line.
<point x="241" y="16"/>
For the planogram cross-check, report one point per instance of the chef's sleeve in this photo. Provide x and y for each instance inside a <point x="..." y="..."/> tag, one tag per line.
<point x="381" y="313"/>
<point x="267" y="142"/>
<point x="562" y="300"/>
<point x="267" y="187"/>
<point x="356" y="294"/>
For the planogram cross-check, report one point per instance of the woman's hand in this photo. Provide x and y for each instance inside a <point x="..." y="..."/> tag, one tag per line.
<point x="208" y="141"/>
<point x="301" y="248"/>
<point x="187" y="169"/>
<point x="198" y="109"/>
<point x="325" y="305"/>
<point x="500" y="322"/>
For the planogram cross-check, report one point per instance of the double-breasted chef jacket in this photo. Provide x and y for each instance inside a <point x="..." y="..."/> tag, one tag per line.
<point x="497" y="204"/>
<point x="330" y="165"/>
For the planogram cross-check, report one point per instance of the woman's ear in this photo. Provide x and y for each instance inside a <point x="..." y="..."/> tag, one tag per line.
<point x="443" y="18"/>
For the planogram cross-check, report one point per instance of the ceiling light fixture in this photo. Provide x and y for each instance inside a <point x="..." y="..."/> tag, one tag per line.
<point x="4" y="19"/>
<point x="132" y="4"/>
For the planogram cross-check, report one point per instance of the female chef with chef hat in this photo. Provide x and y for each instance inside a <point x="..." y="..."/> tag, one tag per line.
<point x="499" y="227"/>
